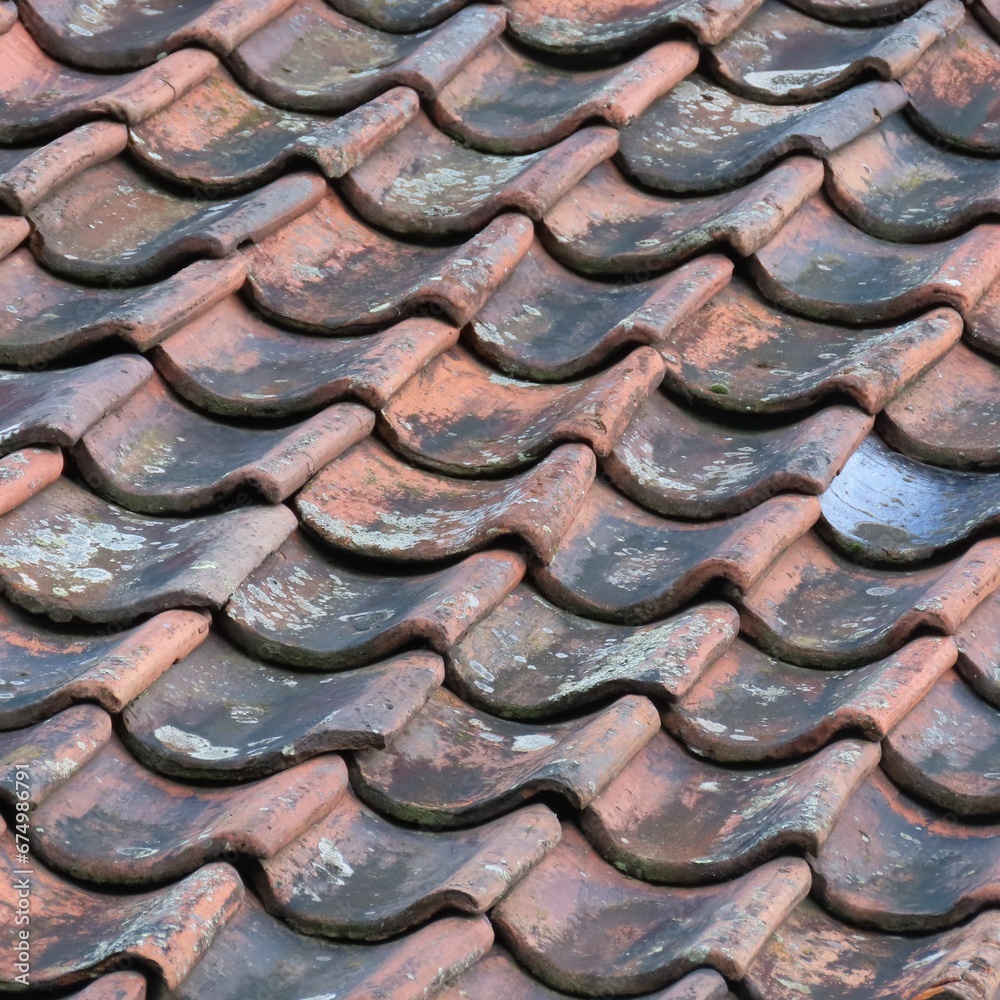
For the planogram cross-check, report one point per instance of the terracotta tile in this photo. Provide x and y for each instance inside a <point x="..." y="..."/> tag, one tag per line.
<point x="25" y="473"/>
<point x="979" y="649"/>
<point x="58" y="407"/>
<point x="78" y="934"/>
<point x="224" y="715"/>
<point x="503" y="101"/>
<point x="356" y="875"/>
<point x="28" y="174"/>
<point x="8" y="15"/>
<point x="813" y="956"/>
<point x="67" y="553"/>
<point x="125" y="36"/>
<point x="619" y="563"/>
<point x="400" y="15"/>
<point x="53" y="750"/>
<point x="528" y="658"/>
<point x="13" y="232"/>
<point x="563" y="27"/>
<point x="299" y="274"/>
<point x="47" y="670"/>
<point x="700" y="137"/>
<point x="304" y="608"/>
<point x="681" y="464"/>
<point x="580" y="925"/>
<point x="987" y="12"/>
<point x="112" y="222"/>
<point x="670" y="817"/>
<point x="949" y="416"/>
<point x="856" y="11"/>
<point x="156" y="455"/>
<point x="750" y="707"/>
<point x="40" y="97"/>
<point x="604" y="225"/>
<point x="200" y="139"/>
<point x="47" y="316"/>
<point x="233" y="362"/>
<point x="885" y="507"/>
<point x="115" y="986"/>
<point x="945" y="751"/>
<point x="460" y="417"/>
<point x="822" y="266"/>
<point x="982" y="328"/>
<point x="452" y="765"/>
<point x="951" y="91"/>
<point x="498" y="975"/>
<point x="421" y="182"/>
<point x="742" y="354"/>
<point x="312" y="58"/>
<point x="897" y="185"/>
<point x="118" y="823"/>
<point x="897" y="865"/>
<point x="370" y="503"/>
<point x="781" y="54"/>
<point x="818" y="608"/>
<point x="545" y="323"/>
<point x="257" y="957"/>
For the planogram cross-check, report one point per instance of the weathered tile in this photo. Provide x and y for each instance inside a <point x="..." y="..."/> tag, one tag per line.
<point x="498" y="975"/>
<point x="45" y="670"/>
<point x="51" y="752"/>
<point x="78" y="934"/>
<point x="60" y="406"/>
<point x="545" y="323"/>
<point x="528" y="658"/>
<point x="453" y="766"/>
<point x="982" y="328"/>
<point x="946" y="750"/>
<point x="817" y="608"/>
<point x="899" y="186"/>
<point x="987" y="12"/>
<point x="619" y="563"/>
<point x="233" y="362"/>
<point x="813" y="956"/>
<point x="885" y="507"/>
<point x="700" y="137"/>
<point x="24" y="473"/>
<point x="742" y="354"/>
<point x="562" y="27"/>
<point x="256" y="957"/>
<point x="951" y="415"/>
<point x="65" y="552"/>
<point x="951" y="89"/>
<point x="312" y="58"/>
<point x="8" y="15"/>
<point x="28" y="174"/>
<point x="327" y="271"/>
<point x="422" y="182"/>
<point x="47" y="316"/>
<point x="400" y="15"/>
<point x="607" y="226"/>
<point x="822" y="266"/>
<point x="897" y="865"/>
<point x="670" y="817"/>
<point x="41" y="98"/>
<point x="503" y="101"/>
<point x="129" y="35"/>
<point x="749" y="707"/>
<point x="201" y="138"/>
<point x="682" y="464"/>
<point x="304" y="608"/>
<point x="782" y="54"/>
<point x="14" y="230"/>
<point x="118" y="823"/>
<point x="580" y="925"/>
<point x="856" y="11"/>
<point x="112" y="223"/>
<point x="154" y="454"/>
<point x="221" y="714"/>
<point x="979" y="649"/>
<point x="115" y="986"/>
<point x="357" y="875"/>
<point x="370" y="503"/>
<point x="460" y="417"/>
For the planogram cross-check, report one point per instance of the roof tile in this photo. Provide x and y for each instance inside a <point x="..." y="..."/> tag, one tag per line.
<point x="979" y="649"/>
<point x="24" y="473"/>
<point x="114" y="986"/>
<point x="400" y="15"/>
<point x="856" y="11"/>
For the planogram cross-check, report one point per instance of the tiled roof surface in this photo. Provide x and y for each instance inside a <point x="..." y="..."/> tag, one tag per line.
<point x="500" y="502"/>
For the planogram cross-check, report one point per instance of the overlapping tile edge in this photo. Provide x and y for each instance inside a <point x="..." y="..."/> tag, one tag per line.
<point x="409" y="634"/>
